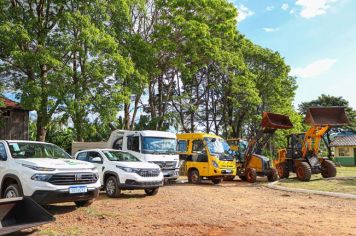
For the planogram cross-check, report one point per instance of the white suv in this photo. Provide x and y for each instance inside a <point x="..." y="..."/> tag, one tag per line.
<point x="120" y="170"/>
<point x="46" y="173"/>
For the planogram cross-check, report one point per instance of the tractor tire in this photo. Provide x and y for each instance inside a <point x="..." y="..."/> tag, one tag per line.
<point x="283" y="171"/>
<point x="328" y="169"/>
<point x="216" y="181"/>
<point x="303" y="171"/>
<point x="194" y="177"/>
<point x="251" y="175"/>
<point x="229" y="178"/>
<point x="272" y="175"/>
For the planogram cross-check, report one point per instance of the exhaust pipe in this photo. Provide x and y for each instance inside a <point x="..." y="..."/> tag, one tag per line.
<point x="331" y="116"/>
<point x="21" y="213"/>
<point x="272" y="121"/>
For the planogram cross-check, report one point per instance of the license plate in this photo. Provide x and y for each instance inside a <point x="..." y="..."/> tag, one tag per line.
<point x="78" y="189"/>
<point x="228" y="171"/>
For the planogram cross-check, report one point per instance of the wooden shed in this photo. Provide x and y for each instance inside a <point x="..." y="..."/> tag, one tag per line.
<point x="14" y="120"/>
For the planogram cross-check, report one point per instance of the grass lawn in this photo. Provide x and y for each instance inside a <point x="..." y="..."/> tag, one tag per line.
<point x="318" y="183"/>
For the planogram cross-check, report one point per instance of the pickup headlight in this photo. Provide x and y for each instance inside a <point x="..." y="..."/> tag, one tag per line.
<point x="128" y="169"/>
<point x="41" y="177"/>
<point x="216" y="165"/>
<point x="39" y="168"/>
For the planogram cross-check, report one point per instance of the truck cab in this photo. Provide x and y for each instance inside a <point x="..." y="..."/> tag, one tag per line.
<point x="206" y="156"/>
<point x="157" y="147"/>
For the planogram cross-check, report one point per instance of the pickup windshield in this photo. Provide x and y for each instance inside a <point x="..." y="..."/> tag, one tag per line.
<point x="220" y="148"/>
<point x="120" y="156"/>
<point x="36" y="150"/>
<point x="158" y="145"/>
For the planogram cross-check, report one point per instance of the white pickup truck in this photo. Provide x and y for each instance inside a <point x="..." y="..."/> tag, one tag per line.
<point x="119" y="170"/>
<point x="46" y="173"/>
<point x="158" y="147"/>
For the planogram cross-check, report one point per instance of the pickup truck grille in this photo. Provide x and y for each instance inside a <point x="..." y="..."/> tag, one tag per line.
<point x="166" y="165"/>
<point x="149" y="172"/>
<point x="73" y="179"/>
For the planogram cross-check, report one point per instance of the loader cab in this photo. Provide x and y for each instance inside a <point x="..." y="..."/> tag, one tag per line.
<point x="238" y="147"/>
<point x="206" y="156"/>
<point x="294" y="145"/>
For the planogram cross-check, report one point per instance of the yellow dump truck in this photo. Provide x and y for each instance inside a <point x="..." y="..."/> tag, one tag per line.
<point x="205" y="156"/>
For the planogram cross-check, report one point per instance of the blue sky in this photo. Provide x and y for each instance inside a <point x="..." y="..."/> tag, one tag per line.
<point x="317" y="38"/>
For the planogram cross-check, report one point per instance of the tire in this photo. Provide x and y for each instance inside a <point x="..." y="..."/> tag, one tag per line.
<point x="216" y="181"/>
<point x="151" y="191"/>
<point x="251" y="175"/>
<point x="83" y="203"/>
<point x="229" y="178"/>
<point x="283" y="171"/>
<point x="272" y="175"/>
<point x="328" y="169"/>
<point x="194" y="177"/>
<point x="112" y="188"/>
<point x="303" y="171"/>
<point x="243" y="177"/>
<point x="12" y="191"/>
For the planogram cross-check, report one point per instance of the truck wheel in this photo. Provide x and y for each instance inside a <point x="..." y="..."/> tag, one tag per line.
<point x="83" y="203"/>
<point x="112" y="188"/>
<point x="283" y="171"/>
<point x="216" y="181"/>
<point x="251" y="175"/>
<point x="151" y="191"/>
<point x="12" y="191"/>
<point x="229" y="178"/>
<point x="303" y="171"/>
<point x="272" y="175"/>
<point x="328" y="169"/>
<point x="194" y="177"/>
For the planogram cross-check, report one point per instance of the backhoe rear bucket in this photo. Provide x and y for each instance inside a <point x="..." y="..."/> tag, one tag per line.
<point x="275" y="121"/>
<point x="21" y="213"/>
<point x="332" y="116"/>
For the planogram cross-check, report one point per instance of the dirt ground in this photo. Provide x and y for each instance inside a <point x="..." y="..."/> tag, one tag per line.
<point x="231" y="208"/>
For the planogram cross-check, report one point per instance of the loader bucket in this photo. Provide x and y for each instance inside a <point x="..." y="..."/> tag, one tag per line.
<point x="332" y="116"/>
<point x="21" y="213"/>
<point x="275" y="121"/>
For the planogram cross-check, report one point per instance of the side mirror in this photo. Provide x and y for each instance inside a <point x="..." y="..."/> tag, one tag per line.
<point x="96" y="160"/>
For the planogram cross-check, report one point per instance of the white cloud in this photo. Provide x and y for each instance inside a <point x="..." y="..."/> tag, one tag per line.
<point x="314" y="69"/>
<point x="269" y="8"/>
<point x="243" y="13"/>
<point x="285" y="6"/>
<point x="270" y="30"/>
<point x="292" y="11"/>
<point x="312" y="8"/>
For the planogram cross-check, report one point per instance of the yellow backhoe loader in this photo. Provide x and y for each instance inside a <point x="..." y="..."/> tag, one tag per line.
<point x="21" y="213"/>
<point x="301" y="155"/>
<point x="251" y="163"/>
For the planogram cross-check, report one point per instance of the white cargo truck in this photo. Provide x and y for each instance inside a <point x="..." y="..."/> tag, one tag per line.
<point x="158" y="147"/>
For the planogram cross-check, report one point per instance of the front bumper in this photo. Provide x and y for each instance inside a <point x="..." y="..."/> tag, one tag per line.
<point x="170" y="174"/>
<point x="44" y="197"/>
<point x="133" y="184"/>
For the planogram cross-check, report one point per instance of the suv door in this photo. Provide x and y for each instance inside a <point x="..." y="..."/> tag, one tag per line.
<point x="3" y="163"/>
<point x="99" y="165"/>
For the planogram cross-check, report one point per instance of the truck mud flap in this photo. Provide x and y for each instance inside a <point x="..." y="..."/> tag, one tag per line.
<point x="331" y="116"/>
<point x="21" y="213"/>
<point x="275" y="121"/>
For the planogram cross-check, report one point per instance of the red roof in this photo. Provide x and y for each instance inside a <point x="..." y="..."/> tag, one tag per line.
<point x="10" y="104"/>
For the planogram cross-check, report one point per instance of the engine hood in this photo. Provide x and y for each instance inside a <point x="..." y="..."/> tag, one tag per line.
<point x="140" y="165"/>
<point x="67" y="164"/>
